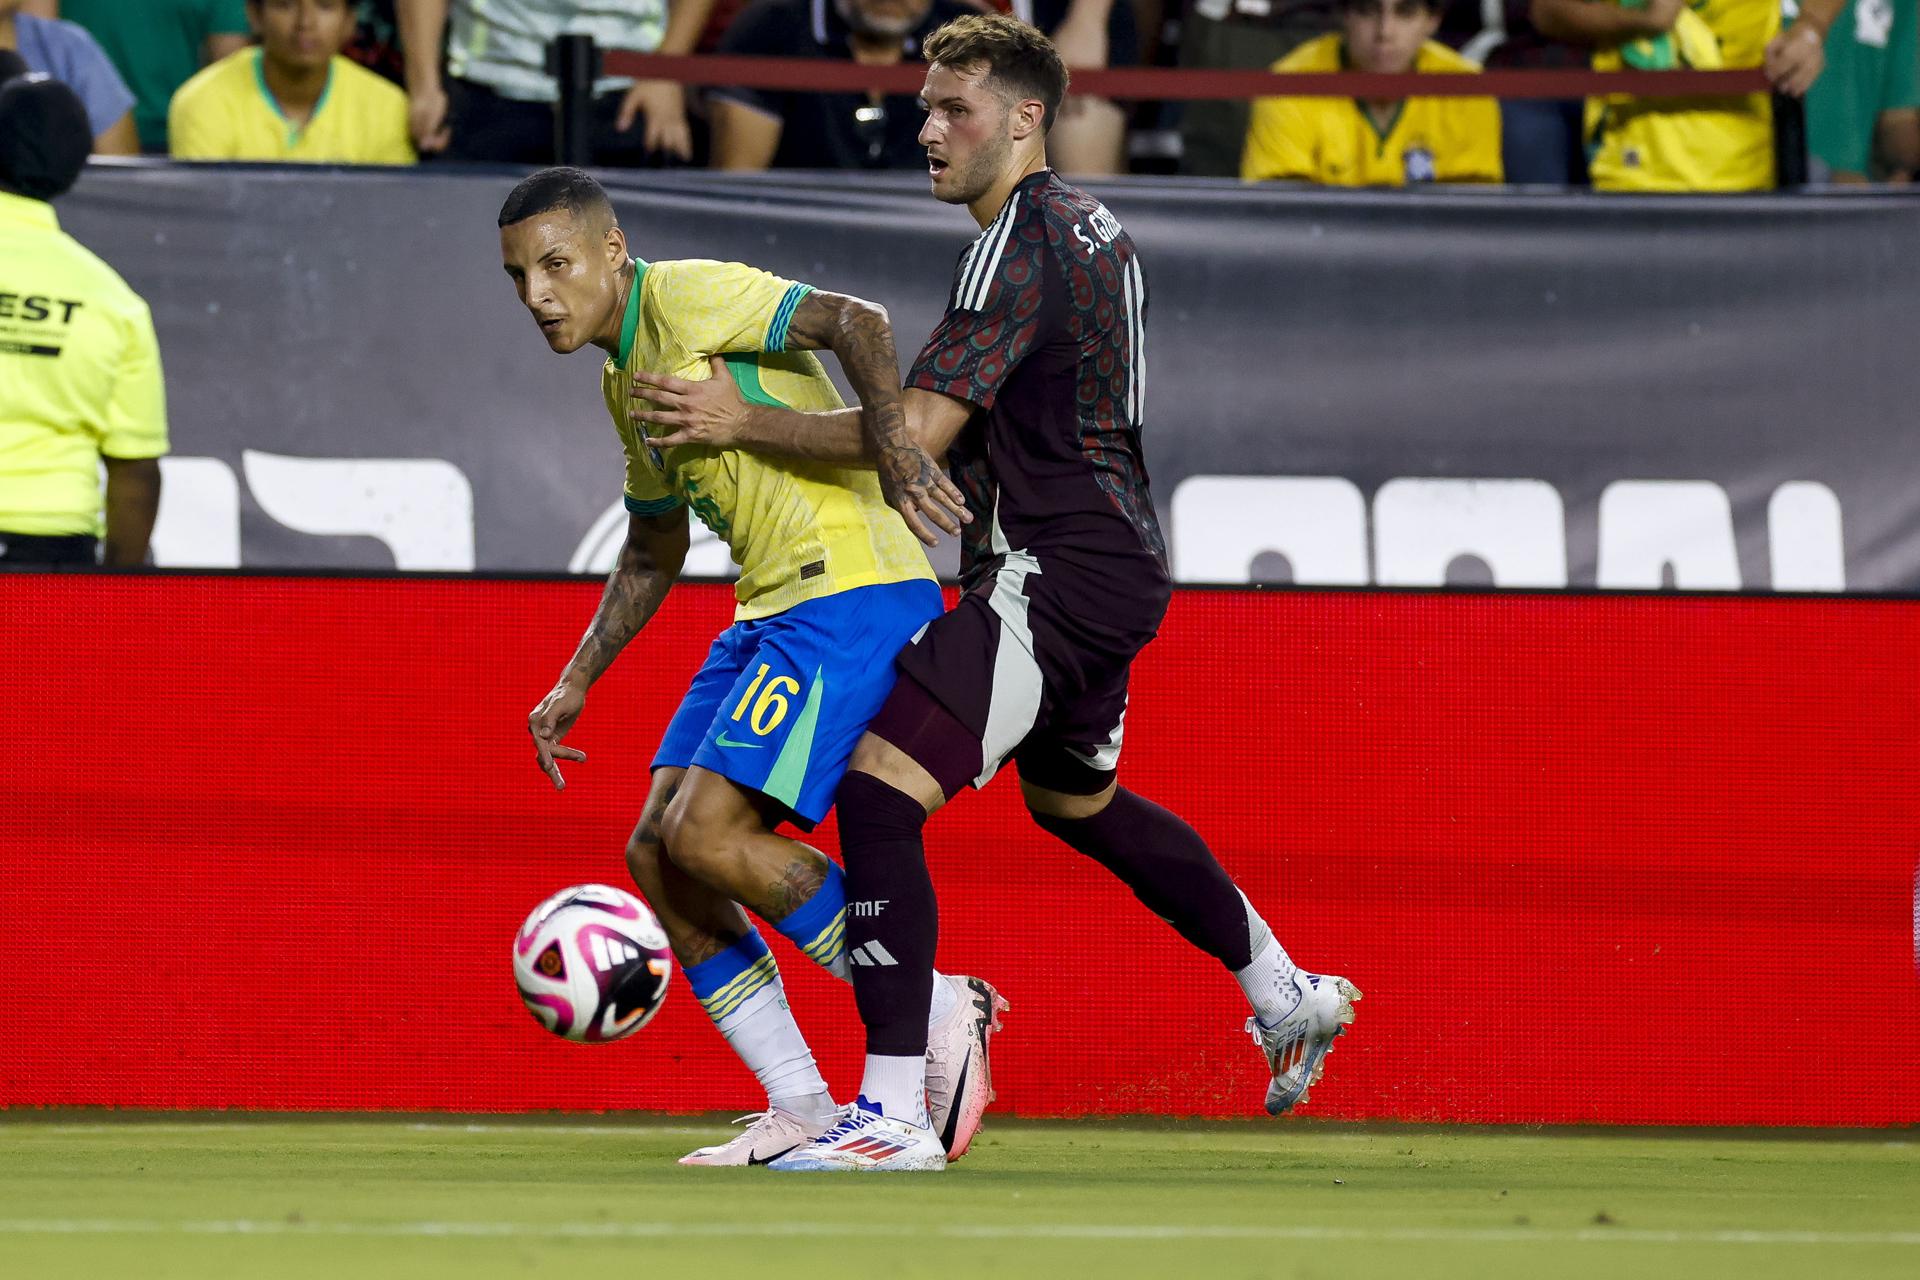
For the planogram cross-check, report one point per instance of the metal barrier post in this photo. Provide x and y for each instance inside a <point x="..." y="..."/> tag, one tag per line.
<point x="574" y="61"/>
<point x="1789" y="142"/>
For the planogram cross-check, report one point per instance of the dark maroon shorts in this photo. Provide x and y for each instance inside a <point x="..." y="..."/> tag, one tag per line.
<point x="1002" y="675"/>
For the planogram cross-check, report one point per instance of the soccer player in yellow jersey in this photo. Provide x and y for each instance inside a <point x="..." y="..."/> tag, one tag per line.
<point x="832" y="586"/>
<point x="1344" y="142"/>
<point x="294" y="98"/>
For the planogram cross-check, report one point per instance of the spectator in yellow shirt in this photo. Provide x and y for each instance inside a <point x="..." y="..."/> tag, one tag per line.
<point x="1688" y="144"/>
<point x="1345" y="142"/>
<point x="294" y="98"/>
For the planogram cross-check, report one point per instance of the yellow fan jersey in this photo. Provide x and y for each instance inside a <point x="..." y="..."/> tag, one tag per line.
<point x="1688" y="144"/>
<point x="797" y="529"/>
<point x="1336" y="142"/>
<point x="226" y="112"/>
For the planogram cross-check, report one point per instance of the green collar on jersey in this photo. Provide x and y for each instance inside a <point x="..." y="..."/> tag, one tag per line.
<point x="294" y="131"/>
<point x="630" y="323"/>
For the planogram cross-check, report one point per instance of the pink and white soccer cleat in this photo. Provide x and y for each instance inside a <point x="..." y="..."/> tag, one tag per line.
<point x="768" y="1136"/>
<point x="959" y="1080"/>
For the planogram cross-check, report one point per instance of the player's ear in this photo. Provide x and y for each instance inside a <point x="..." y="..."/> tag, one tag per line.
<point x="1029" y="118"/>
<point x="617" y="246"/>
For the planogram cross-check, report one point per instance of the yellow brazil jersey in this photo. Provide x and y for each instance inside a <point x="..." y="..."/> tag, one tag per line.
<point x="79" y="375"/>
<point x="1335" y="141"/>
<point x="797" y="529"/>
<point x="226" y="112"/>
<point x="1688" y="144"/>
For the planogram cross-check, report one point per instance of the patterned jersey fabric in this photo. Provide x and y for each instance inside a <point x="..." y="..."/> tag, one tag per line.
<point x="1044" y="334"/>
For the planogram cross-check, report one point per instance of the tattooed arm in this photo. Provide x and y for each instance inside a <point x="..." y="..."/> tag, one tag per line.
<point x="911" y="477"/>
<point x="877" y="433"/>
<point x="649" y="563"/>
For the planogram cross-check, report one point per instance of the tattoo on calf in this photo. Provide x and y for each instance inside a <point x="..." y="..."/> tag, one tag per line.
<point x="699" y="947"/>
<point x="799" y="881"/>
<point x="654" y="818"/>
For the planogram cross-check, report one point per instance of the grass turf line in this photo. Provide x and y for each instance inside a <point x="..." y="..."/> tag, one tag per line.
<point x="371" y="1198"/>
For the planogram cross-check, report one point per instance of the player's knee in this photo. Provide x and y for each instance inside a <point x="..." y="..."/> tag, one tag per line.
<point x="877" y="809"/>
<point x="1048" y="807"/>
<point x="699" y="837"/>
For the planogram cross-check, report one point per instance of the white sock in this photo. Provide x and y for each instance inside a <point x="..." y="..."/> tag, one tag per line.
<point x="1268" y="980"/>
<point x="762" y="1031"/>
<point x="898" y="1086"/>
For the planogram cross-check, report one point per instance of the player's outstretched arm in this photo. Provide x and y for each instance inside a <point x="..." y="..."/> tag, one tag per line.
<point x="649" y="564"/>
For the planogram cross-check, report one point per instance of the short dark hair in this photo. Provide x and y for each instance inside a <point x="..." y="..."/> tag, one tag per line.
<point x="1020" y="59"/>
<point x="563" y="187"/>
<point x="45" y="137"/>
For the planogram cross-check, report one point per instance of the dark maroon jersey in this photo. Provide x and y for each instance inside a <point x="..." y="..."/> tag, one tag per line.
<point x="1045" y="334"/>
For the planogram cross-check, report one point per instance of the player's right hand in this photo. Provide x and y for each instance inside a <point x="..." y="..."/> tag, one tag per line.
<point x="427" y="119"/>
<point x="549" y="723"/>
<point x="914" y="485"/>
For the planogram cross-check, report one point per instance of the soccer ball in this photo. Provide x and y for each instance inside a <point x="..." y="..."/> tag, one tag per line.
<point x="592" y="963"/>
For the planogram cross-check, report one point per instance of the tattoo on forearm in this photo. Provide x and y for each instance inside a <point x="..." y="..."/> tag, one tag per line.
<point x="634" y="591"/>
<point x="874" y="370"/>
<point x="860" y="334"/>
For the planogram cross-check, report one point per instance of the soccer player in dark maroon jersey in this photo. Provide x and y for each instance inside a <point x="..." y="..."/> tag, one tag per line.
<point x="1034" y="386"/>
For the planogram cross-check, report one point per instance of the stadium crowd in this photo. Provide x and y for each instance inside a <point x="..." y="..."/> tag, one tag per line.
<point x="397" y="81"/>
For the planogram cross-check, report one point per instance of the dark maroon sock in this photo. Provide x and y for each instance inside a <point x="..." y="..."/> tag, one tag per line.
<point x="1168" y="867"/>
<point x="892" y="920"/>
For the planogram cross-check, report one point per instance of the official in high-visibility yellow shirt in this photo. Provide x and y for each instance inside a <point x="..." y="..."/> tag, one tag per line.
<point x="292" y="99"/>
<point x="79" y="366"/>
<point x="1344" y="142"/>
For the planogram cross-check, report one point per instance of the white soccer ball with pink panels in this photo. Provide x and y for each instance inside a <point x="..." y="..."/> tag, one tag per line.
<point x="592" y="963"/>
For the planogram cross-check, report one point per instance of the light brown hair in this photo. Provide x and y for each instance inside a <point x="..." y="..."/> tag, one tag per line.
<point x="1021" y="62"/>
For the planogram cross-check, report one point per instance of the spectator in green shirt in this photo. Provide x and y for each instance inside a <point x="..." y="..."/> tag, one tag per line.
<point x="158" y="45"/>
<point x="1863" y="115"/>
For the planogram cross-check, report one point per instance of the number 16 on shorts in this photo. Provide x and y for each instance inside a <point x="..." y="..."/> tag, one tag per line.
<point x="764" y="706"/>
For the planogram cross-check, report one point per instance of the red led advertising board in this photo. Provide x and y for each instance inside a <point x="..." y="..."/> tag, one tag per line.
<point x="1616" y="859"/>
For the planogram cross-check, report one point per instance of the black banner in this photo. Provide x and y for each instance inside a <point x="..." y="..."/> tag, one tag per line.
<point x="1398" y="388"/>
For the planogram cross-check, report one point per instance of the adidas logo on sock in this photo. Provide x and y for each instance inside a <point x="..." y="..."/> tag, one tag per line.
<point x="872" y="954"/>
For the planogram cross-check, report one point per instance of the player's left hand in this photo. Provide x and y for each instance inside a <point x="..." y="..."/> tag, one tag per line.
<point x="1796" y="58"/>
<point x="699" y="413"/>
<point x="664" y="104"/>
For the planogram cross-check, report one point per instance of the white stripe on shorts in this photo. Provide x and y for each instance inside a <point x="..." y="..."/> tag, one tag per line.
<point x="1106" y="756"/>
<point x="1014" y="704"/>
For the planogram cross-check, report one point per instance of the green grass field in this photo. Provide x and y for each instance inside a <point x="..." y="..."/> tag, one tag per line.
<point x="90" y="1196"/>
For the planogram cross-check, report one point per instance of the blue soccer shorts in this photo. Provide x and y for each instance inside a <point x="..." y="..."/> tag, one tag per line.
<point x="781" y="701"/>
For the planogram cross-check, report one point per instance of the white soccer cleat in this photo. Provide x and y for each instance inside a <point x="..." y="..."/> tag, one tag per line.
<point x="768" y="1136"/>
<point x="1298" y="1046"/>
<point x="865" y="1141"/>
<point x="959" y="1080"/>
